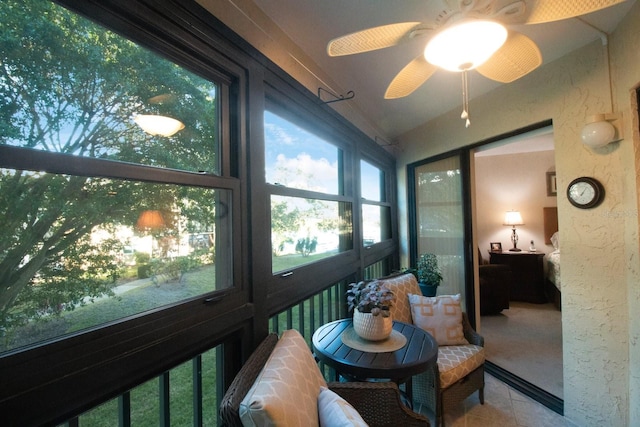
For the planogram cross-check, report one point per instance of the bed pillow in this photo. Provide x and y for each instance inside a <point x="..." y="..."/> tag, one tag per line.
<point x="555" y="241"/>
<point x="334" y="411"/>
<point x="440" y="316"/>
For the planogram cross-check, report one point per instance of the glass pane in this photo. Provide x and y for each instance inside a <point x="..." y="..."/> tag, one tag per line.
<point x="371" y="182"/>
<point x="376" y="224"/>
<point x="305" y="230"/>
<point x="296" y="158"/>
<point x="76" y="252"/>
<point x="439" y="219"/>
<point x="79" y="89"/>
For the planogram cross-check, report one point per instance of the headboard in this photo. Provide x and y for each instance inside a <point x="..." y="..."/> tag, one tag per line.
<point x="550" y="217"/>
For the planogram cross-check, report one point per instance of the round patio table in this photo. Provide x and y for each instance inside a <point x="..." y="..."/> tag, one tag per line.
<point x="416" y="356"/>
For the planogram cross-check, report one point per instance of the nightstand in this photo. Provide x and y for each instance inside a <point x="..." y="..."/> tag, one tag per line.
<point x="527" y="274"/>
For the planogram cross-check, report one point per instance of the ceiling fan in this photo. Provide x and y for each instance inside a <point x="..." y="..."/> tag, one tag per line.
<point x="506" y="56"/>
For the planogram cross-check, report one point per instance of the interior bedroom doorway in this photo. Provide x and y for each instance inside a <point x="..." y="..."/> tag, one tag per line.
<point x="523" y="335"/>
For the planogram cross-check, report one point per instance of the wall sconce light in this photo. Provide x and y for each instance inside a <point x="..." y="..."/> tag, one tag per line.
<point x="513" y="218"/>
<point x="602" y="129"/>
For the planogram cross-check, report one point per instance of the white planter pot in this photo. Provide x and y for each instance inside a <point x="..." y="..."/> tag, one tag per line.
<point x="370" y="327"/>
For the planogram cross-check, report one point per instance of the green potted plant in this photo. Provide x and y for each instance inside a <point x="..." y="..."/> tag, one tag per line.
<point x="428" y="274"/>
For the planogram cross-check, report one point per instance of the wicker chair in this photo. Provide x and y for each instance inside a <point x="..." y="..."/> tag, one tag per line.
<point x="427" y="388"/>
<point x="379" y="404"/>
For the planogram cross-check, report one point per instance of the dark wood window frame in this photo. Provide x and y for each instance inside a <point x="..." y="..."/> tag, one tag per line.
<point x="72" y="375"/>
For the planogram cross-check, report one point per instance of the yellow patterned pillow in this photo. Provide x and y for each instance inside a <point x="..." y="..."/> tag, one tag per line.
<point x="440" y="316"/>
<point x="401" y="286"/>
<point x="286" y="390"/>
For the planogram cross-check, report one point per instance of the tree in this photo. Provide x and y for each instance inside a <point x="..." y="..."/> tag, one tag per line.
<point x="69" y="86"/>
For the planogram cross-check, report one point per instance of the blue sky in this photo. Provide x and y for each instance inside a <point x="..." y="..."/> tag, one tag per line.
<point x="297" y="158"/>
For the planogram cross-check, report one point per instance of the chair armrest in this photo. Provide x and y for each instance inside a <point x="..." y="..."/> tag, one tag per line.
<point x="379" y="403"/>
<point x="469" y="333"/>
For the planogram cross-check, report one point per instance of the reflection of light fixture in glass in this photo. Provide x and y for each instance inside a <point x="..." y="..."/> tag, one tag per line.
<point x="601" y="130"/>
<point x="158" y="125"/>
<point x="463" y="47"/>
<point x="513" y="218"/>
<point x="150" y="220"/>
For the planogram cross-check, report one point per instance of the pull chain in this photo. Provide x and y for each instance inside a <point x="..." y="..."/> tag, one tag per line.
<point x="465" y="99"/>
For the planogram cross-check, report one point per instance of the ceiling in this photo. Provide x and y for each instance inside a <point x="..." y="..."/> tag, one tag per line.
<point x="311" y="24"/>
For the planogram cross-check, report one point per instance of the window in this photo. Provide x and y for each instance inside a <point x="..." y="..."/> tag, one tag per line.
<point x="311" y="224"/>
<point x="108" y="211"/>
<point x="296" y="158"/>
<point x="376" y="217"/>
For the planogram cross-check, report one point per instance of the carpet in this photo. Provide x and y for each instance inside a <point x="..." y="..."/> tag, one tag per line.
<point x="526" y="340"/>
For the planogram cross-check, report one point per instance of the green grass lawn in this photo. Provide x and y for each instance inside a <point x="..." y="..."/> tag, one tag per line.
<point x="287" y="262"/>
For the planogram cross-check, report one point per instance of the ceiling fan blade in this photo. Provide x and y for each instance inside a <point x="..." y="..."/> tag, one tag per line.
<point x="410" y="78"/>
<point x="554" y="10"/>
<point x="371" y="39"/>
<point x="518" y="56"/>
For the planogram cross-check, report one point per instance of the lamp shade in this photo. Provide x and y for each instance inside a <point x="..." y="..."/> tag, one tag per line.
<point x="598" y="134"/>
<point x="158" y="125"/>
<point x="465" y="45"/>
<point x="150" y="220"/>
<point x="513" y="218"/>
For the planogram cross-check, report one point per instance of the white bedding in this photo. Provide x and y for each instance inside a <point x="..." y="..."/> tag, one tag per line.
<point x="552" y="261"/>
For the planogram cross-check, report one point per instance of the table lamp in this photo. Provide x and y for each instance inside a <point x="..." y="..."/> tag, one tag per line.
<point x="513" y="218"/>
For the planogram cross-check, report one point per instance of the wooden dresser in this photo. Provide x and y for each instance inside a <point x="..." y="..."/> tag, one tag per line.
<point x="527" y="274"/>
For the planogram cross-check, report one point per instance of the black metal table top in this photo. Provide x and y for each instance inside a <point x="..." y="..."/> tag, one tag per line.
<point x="420" y="352"/>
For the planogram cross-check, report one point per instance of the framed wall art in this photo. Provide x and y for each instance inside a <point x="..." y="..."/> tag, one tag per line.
<point x="552" y="187"/>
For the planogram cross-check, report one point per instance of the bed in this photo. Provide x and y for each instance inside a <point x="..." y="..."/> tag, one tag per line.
<point x="553" y="284"/>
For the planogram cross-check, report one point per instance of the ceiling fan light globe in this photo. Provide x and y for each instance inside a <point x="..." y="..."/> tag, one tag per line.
<point x="158" y="125"/>
<point x="466" y="45"/>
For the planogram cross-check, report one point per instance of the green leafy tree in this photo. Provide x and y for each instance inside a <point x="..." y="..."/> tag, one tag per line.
<point x="69" y="86"/>
<point x="284" y="225"/>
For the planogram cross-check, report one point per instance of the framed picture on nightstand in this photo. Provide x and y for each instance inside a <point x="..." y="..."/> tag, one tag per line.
<point x="496" y="247"/>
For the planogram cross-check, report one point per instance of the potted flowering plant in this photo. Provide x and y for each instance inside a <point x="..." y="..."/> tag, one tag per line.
<point x="370" y="303"/>
<point x="372" y="297"/>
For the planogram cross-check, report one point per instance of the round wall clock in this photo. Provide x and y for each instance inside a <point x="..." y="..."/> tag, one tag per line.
<point x="585" y="192"/>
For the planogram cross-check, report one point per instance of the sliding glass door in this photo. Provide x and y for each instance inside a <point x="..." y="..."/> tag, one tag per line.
<point x="439" y="220"/>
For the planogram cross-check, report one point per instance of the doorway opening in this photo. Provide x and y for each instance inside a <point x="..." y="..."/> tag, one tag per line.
<point x="520" y="320"/>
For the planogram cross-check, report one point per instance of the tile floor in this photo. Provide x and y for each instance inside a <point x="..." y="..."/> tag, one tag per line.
<point x="504" y="407"/>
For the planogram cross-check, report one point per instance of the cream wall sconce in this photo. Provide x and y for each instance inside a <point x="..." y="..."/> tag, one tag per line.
<point x="602" y="129"/>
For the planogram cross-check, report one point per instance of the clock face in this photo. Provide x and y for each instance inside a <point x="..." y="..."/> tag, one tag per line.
<point x="585" y="192"/>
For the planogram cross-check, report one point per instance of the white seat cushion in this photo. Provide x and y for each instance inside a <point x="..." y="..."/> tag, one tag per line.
<point x="457" y="361"/>
<point x="286" y="391"/>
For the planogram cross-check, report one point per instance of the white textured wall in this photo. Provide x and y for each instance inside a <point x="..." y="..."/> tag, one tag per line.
<point x="601" y="282"/>
<point x="512" y="181"/>
<point x="601" y="278"/>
